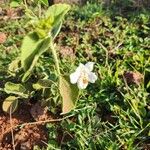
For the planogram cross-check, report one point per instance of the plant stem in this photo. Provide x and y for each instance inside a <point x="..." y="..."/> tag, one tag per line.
<point x="55" y="58"/>
<point x="106" y="51"/>
<point x="11" y="124"/>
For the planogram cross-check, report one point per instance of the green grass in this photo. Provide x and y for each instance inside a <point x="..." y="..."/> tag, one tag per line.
<point x="111" y="114"/>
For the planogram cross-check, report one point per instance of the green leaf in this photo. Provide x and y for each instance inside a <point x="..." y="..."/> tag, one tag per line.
<point x="28" y="49"/>
<point x="69" y="93"/>
<point x="44" y="26"/>
<point x="43" y="83"/>
<point x="45" y="2"/>
<point x="14" y="65"/>
<point x="142" y="111"/>
<point x="51" y="23"/>
<point x="31" y="50"/>
<point x="56" y="30"/>
<point x="10" y="104"/>
<point x="148" y="84"/>
<point x="15" y="3"/>
<point x="26" y="76"/>
<point x="31" y="47"/>
<point x="18" y="89"/>
<point x="57" y="12"/>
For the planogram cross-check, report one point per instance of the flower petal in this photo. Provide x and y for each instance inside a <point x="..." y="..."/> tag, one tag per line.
<point x="74" y="77"/>
<point x="81" y="84"/>
<point x="81" y="67"/>
<point x="92" y="77"/>
<point x="89" y="66"/>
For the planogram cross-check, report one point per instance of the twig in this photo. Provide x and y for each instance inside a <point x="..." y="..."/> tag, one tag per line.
<point x="38" y="122"/>
<point x="106" y="51"/>
<point x="5" y="18"/>
<point x="12" y="133"/>
<point x="118" y="45"/>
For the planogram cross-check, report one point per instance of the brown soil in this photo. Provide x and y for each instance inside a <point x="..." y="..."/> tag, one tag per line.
<point x="67" y="1"/>
<point x="23" y="138"/>
<point x="133" y="77"/>
<point x="7" y="14"/>
<point x="2" y="37"/>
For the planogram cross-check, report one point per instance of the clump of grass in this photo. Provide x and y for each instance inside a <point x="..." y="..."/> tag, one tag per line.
<point x="113" y="114"/>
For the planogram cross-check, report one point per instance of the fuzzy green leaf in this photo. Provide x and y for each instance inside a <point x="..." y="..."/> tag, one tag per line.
<point x="32" y="46"/>
<point x="10" y="104"/>
<point x="28" y="49"/>
<point x="31" y="50"/>
<point x="57" y="12"/>
<point x="43" y="83"/>
<point x="69" y="93"/>
<point x="18" y="89"/>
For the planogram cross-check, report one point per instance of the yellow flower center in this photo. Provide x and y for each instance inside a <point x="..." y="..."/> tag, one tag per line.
<point x="84" y="78"/>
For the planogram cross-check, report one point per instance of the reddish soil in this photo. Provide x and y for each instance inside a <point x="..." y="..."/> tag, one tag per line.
<point x="133" y="77"/>
<point x="2" y="37"/>
<point x="23" y="138"/>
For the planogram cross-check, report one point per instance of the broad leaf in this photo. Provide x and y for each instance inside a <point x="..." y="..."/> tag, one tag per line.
<point x="57" y="12"/>
<point x="31" y="47"/>
<point x="30" y="54"/>
<point x="10" y="104"/>
<point x="69" y="93"/>
<point x="18" y="89"/>
<point x="43" y="83"/>
<point x="28" y="49"/>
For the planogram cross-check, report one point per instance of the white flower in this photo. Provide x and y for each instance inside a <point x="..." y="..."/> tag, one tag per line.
<point x="83" y="75"/>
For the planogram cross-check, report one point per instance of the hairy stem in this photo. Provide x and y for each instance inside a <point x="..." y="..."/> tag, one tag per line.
<point x="55" y="58"/>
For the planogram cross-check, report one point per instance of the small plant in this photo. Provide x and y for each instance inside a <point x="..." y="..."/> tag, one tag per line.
<point x="34" y="44"/>
<point x="48" y="71"/>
